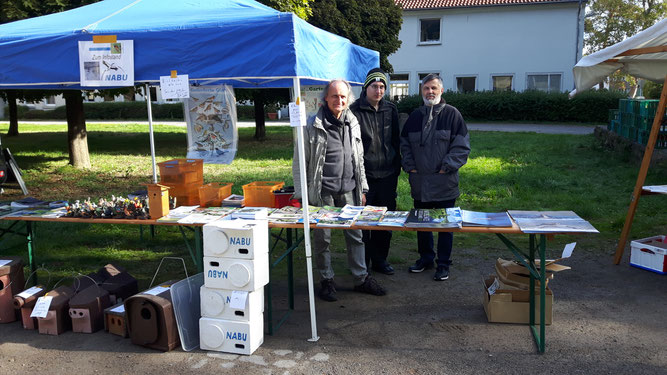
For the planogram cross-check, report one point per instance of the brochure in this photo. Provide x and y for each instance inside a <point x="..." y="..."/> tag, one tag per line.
<point x="393" y="219"/>
<point x="434" y="218"/>
<point x="551" y="222"/>
<point x="370" y="215"/>
<point x="485" y="219"/>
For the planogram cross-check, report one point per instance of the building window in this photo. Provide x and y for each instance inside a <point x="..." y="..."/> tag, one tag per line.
<point x="153" y="93"/>
<point x="400" y="83"/>
<point x="502" y="83"/>
<point x="465" y="84"/>
<point x="544" y="82"/>
<point x="429" y="31"/>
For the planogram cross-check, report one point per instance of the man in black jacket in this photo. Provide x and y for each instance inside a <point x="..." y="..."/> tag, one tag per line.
<point x="380" y="135"/>
<point x="434" y="145"/>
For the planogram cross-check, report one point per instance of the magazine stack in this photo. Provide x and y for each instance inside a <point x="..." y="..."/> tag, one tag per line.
<point x="236" y="268"/>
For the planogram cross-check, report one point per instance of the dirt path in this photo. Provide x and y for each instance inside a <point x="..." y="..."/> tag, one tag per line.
<point x="607" y="319"/>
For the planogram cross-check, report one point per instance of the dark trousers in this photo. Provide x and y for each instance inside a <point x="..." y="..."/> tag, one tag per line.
<point x="445" y="239"/>
<point x="381" y="192"/>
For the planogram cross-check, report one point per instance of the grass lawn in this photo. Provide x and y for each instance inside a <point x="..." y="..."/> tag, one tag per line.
<point x="525" y="171"/>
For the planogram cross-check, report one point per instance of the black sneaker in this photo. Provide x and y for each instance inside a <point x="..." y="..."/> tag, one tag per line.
<point x="441" y="274"/>
<point x="386" y="269"/>
<point x="370" y="286"/>
<point x="327" y="290"/>
<point x="420" y="265"/>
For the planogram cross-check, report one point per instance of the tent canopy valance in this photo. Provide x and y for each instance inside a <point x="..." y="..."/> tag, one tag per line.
<point x="237" y="42"/>
<point x="643" y="55"/>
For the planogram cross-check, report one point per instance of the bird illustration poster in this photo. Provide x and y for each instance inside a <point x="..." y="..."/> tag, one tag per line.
<point x="106" y="64"/>
<point x="211" y="118"/>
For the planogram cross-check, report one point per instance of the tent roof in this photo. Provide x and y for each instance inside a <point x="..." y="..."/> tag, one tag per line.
<point x="238" y="42"/>
<point x="643" y="55"/>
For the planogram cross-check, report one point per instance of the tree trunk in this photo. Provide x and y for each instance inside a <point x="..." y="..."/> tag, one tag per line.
<point x="13" y="114"/>
<point x="77" y="136"/>
<point x="260" y="126"/>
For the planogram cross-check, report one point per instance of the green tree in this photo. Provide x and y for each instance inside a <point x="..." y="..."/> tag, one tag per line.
<point x="13" y="10"/>
<point x="373" y="24"/>
<point x="262" y="97"/>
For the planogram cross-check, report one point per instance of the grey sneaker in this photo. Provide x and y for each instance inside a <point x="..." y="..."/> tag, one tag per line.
<point x="441" y="274"/>
<point x="371" y="286"/>
<point x="327" y="290"/>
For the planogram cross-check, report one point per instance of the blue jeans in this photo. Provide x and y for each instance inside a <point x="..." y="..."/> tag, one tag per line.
<point x="445" y="239"/>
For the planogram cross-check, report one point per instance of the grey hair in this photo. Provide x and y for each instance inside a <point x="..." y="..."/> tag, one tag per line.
<point x="431" y="77"/>
<point x="350" y="94"/>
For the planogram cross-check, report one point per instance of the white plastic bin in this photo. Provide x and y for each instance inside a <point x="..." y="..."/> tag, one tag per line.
<point x="215" y="303"/>
<point x="236" y="274"/>
<point x="231" y="336"/>
<point x="649" y="254"/>
<point x="240" y="239"/>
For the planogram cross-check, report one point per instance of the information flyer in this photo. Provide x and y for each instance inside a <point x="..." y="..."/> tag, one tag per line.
<point x="106" y="64"/>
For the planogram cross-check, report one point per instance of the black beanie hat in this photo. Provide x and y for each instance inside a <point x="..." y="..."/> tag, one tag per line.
<point x="375" y="75"/>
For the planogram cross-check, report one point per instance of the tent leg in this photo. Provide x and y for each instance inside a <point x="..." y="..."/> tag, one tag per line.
<point x="296" y="95"/>
<point x="643" y="170"/>
<point x="150" y="129"/>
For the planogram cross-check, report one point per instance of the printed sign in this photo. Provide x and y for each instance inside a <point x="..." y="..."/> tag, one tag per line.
<point x="41" y="307"/>
<point x="106" y="64"/>
<point x="210" y="113"/>
<point x="175" y="88"/>
<point x="157" y="290"/>
<point x="567" y="251"/>
<point x="4" y="262"/>
<point x="493" y="287"/>
<point x="297" y="114"/>
<point x="29" y="292"/>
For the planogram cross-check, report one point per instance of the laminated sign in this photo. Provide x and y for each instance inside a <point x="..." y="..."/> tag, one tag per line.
<point x="106" y="64"/>
<point x="210" y="113"/>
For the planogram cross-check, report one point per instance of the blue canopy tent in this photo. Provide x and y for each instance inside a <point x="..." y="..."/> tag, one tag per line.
<point x="237" y="42"/>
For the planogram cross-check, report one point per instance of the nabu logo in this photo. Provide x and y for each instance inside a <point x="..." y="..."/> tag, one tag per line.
<point x="238" y="336"/>
<point x="240" y="241"/>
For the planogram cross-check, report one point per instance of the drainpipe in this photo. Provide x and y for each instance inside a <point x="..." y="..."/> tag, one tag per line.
<point x="577" y="50"/>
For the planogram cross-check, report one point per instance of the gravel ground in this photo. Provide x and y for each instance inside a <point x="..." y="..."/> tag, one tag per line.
<point x="607" y="320"/>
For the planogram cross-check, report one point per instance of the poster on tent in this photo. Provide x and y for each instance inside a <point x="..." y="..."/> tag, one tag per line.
<point x="211" y="118"/>
<point x="312" y="97"/>
<point x="106" y="64"/>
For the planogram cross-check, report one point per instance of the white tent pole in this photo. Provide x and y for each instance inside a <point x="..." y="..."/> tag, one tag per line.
<point x="150" y="130"/>
<point x="296" y="96"/>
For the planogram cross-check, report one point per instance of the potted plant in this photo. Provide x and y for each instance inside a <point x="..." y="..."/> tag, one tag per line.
<point x="272" y="111"/>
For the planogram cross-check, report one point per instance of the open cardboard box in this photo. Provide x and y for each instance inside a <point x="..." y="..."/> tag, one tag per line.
<point x="516" y="275"/>
<point x="512" y="305"/>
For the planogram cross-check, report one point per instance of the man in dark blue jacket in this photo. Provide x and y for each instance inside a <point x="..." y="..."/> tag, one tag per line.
<point x="378" y="119"/>
<point x="434" y="145"/>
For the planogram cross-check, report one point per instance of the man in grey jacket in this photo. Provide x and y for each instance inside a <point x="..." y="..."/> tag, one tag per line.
<point x="335" y="174"/>
<point x="434" y="145"/>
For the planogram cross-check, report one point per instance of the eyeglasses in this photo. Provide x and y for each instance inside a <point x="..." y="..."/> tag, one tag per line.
<point x="377" y="86"/>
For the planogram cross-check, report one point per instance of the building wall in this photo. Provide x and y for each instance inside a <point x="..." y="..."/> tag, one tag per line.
<point x="497" y="40"/>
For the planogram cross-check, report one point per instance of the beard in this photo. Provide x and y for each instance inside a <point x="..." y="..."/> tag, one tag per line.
<point x="431" y="102"/>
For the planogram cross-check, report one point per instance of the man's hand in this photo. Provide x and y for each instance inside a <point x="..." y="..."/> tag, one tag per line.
<point x="413" y="171"/>
<point x="363" y="199"/>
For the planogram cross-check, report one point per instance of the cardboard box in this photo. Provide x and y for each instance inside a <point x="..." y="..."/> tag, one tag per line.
<point x="516" y="275"/>
<point x="12" y="282"/>
<point x="512" y="305"/>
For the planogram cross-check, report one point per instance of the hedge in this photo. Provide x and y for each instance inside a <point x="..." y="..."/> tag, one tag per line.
<point x="590" y="106"/>
<point x="120" y="111"/>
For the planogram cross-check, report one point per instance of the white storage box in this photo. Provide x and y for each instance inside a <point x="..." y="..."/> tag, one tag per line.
<point x="241" y="239"/>
<point x="649" y="254"/>
<point x="230" y="336"/>
<point x="236" y="274"/>
<point x="215" y="303"/>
